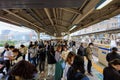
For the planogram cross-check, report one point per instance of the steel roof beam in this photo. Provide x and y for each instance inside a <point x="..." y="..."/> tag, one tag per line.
<point x="48" y="15"/>
<point x="13" y="22"/>
<point x="65" y="21"/>
<point x="79" y="18"/>
<point x="34" y="15"/>
<point x="80" y="9"/>
<point x="58" y="20"/>
<point x="63" y="27"/>
<point x="54" y="13"/>
<point x="71" y="10"/>
<point x="61" y="11"/>
<point x="25" y="20"/>
<point x="87" y="10"/>
<point x="9" y="20"/>
<point x="117" y="11"/>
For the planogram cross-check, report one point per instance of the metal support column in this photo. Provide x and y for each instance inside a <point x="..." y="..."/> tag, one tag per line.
<point x="69" y="37"/>
<point x="38" y="35"/>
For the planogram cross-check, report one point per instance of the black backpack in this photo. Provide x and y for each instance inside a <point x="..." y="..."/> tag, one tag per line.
<point x="85" y="52"/>
<point x="79" y="52"/>
<point x="80" y="76"/>
<point x="82" y="53"/>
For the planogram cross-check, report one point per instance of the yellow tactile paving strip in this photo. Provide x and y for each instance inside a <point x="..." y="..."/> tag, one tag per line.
<point x="98" y="68"/>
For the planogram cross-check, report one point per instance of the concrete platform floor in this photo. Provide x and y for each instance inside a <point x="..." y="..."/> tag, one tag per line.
<point x="97" y="70"/>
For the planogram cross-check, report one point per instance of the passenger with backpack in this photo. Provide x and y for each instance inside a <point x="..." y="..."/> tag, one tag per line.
<point x="80" y="51"/>
<point x="76" y="71"/>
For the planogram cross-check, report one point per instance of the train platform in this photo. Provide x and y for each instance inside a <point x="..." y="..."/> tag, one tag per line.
<point x="97" y="71"/>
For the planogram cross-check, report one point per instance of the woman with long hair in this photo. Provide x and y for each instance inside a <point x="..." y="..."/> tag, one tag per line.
<point x="23" y="70"/>
<point x="76" y="71"/>
<point x="69" y="60"/>
<point x="58" y="66"/>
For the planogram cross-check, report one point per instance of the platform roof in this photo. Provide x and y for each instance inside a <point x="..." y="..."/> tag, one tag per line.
<point x="56" y="16"/>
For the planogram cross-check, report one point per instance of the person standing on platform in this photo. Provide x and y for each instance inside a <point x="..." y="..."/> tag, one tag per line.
<point x="113" y="55"/>
<point x="33" y="53"/>
<point x="58" y="66"/>
<point x="80" y="51"/>
<point x="17" y="56"/>
<point x="23" y="49"/>
<point x="112" y="71"/>
<point x="74" y="47"/>
<point x="89" y="57"/>
<point x="42" y="57"/>
<point x="69" y="61"/>
<point x="30" y="44"/>
<point x="76" y="71"/>
<point x="51" y="61"/>
<point x="65" y="52"/>
<point x="7" y="58"/>
<point x="29" y="47"/>
<point x="6" y="45"/>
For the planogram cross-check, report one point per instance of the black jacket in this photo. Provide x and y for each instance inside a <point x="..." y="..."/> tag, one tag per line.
<point x="80" y="51"/>
<point x="74" y="75"/>
<point x="51" y="55"/>
<point x="42" y="54"/>
<point x="110" y="73"/>
<point x="112" y="55"/>
<point x="51" y="58"/>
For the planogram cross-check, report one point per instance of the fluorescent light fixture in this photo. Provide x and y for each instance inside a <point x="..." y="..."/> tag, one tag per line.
<point x="73" y="27"/>
<point x="104" y="4"/>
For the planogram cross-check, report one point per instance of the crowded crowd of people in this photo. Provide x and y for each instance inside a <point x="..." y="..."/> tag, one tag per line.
<point x="64" y="61"/>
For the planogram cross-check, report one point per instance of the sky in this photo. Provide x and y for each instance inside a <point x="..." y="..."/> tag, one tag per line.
<point x="7" y="26"/>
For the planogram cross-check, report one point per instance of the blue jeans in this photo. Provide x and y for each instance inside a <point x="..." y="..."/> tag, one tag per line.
<point x="33" y="61"/>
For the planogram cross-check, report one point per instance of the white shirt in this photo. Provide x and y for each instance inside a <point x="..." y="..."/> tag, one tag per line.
<point x="33" y="52"/>
<point x="7" y="53"/>
<point x="67" y="66"/>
